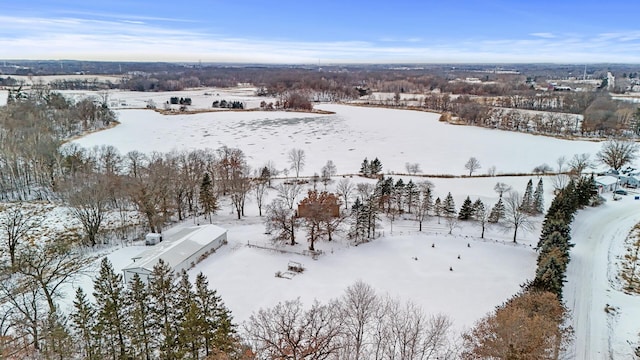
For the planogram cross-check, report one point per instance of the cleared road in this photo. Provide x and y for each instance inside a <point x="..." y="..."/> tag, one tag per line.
<point x="594" y="230"/>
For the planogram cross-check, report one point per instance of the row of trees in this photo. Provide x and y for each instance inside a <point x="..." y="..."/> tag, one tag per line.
<point x="359" y="325"/>
<point x="166" y="317"/>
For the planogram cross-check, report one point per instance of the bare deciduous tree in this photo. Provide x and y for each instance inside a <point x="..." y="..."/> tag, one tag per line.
<point x="345" y="188"/>
<point x="288" y="331"/>
<point x="297" y="159"/>
<point x="88" y="199"/>
<point x="579" y="163"/>
<point x="516" y="217"/>
<point x="282" y="220"/>
<point x="617" y="153"/>
<point x="16" y="221"/>
<point x="413" y="168"/>
<point x="472" y="165"/>
<point x="501" y="188"/>
<point x="288" y="192"/>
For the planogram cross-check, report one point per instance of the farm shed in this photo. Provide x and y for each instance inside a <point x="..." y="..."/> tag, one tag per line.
<point x="181" y="250"/>
<point x="606" y="183"/>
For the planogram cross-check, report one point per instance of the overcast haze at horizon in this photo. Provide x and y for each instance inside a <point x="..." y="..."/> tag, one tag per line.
<point x="291" y="31"/>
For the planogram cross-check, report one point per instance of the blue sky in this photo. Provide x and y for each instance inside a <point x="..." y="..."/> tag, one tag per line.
<point x="329" y="31"/>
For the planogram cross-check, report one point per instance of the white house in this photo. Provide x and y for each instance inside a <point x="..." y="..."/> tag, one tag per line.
<point x="181" y="250"/>
<point x="606" y="183"/>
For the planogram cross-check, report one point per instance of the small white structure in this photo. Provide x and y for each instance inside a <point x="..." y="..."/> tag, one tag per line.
<point x="606" y="183"/>
<point x="152" y="239"/>
<point x="180" y="250"/>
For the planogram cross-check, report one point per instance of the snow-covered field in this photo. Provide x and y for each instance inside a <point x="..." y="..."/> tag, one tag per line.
<point x="403" y="261"/>
<point x="346" y="137"/>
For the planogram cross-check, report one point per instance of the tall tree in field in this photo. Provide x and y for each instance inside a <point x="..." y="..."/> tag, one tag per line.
<point x="515" y="216"/>
<point x="481" y="214"/>
<point x="297" y="159"/>
<point x="410" y="195"/>
<point x="316" y="209"/>
<point x="497" y="212"/>
<point x="424" y="204"/>
<point x="538" y="199"/>
<point x="527" y="198"/>
<point x="281" y="220"/>
<point x="449" y="206"/>
<point x="437" y="208"/>
<point x="208" y="200"/>
<point x="472" y="165"/>
<point x="345" y="189"/>
<point x="288" y="192"/>
<point x="466" y="210"/>
<point x="260" y="189"/>
<point x="219" y="333"/>
<point x="617" y="153"/>
<point x="501" y="188"/>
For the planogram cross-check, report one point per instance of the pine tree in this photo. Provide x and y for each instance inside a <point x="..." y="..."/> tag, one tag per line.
<point x="398" y="194"/>
<point x="466" y="210"/>
<point x="480" y="214"/>
<point x="497" y="212"/>
<point x="191" y="326"/>
<point x="112" y="324"/>
<point x="437" y="208"/>
<point x="162" y="291"/>
<point x="527" y="198"/>
<point x="538" y="199"/>
<point x="365" y="169"/>
<point x="550" y="274"/>
<point x="207" y="197"/>
<point x="219" y="333"/>
<point x="142" y="336"/>
<point x="358" y="229"/>
<point x="375" y="167"/>
<point x="411" y="195"/>
<point x="449" y="206"/>
<point x="83" y="323"/>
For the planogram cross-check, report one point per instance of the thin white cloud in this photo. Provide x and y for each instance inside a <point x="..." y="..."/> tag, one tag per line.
<point x="136" y="40"/>
<point x="544" y="35"/>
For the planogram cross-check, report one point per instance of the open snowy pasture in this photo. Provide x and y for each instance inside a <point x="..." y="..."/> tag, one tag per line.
<point x="396" y="137"/>
<point x="202" y="98"/>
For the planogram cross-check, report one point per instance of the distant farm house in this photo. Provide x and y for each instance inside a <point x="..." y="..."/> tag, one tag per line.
<point x="181" y="251"/>
<point x="325" y="204"/>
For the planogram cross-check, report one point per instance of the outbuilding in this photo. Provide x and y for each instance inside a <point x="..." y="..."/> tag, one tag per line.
<point x="181" y="250"/>
<point x="606" y="183"/>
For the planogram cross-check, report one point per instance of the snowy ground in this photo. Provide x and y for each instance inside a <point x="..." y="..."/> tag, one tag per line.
<point x="4" y="94"/>
<point x="599" y="234"/>
<point x="396" y="137"/>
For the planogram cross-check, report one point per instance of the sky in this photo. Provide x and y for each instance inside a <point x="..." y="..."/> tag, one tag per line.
<point x="330" y="31"/>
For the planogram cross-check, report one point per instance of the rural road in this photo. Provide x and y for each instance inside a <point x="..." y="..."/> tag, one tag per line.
<point x="585" y="292"/>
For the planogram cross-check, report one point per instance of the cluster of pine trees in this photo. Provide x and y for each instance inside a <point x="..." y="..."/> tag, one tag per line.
<point x="370" y="168"/>
<point x="168" y="318"/>
<point x="555" y="238"/>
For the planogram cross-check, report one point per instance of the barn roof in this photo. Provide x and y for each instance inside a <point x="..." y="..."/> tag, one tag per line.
<point x="606" y="180"/>
<point x="178" y="246"/>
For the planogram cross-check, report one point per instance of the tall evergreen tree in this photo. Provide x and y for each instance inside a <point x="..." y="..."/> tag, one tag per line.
<point x="365" y="169"/>
<point x="527" y="198"/>
<point x="550" y="274"/>
<point x="191" y="325"/>
<point x="437" y="208"/>
<point x="112" y="324"/>
<point x="481" y="215"/>
<point x="375" y="167"/>
<point x="208" y="199"/>
<point x="398" y="194"/>
<point x="358" y="230"/>
<point x="83" y="324"/>
<point x="142" y="334"/>
<point x="449" y="206"/>
<point x="219" y="332"/>
<point x="162" y="291"/>
<point x="466" y="210"/>
<point x="497" y="212"/>
<point x="538" y="199"/>
<point x="411" y="195"/>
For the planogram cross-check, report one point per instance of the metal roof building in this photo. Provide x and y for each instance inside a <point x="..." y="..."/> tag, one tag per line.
<point x="181" y="250"/>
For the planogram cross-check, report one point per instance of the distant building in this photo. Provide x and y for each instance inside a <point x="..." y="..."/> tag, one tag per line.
<point x="181" y="251"/>
<point x="606" y="183"/>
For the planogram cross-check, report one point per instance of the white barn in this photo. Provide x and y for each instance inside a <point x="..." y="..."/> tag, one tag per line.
<point x="181" y="250"/>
